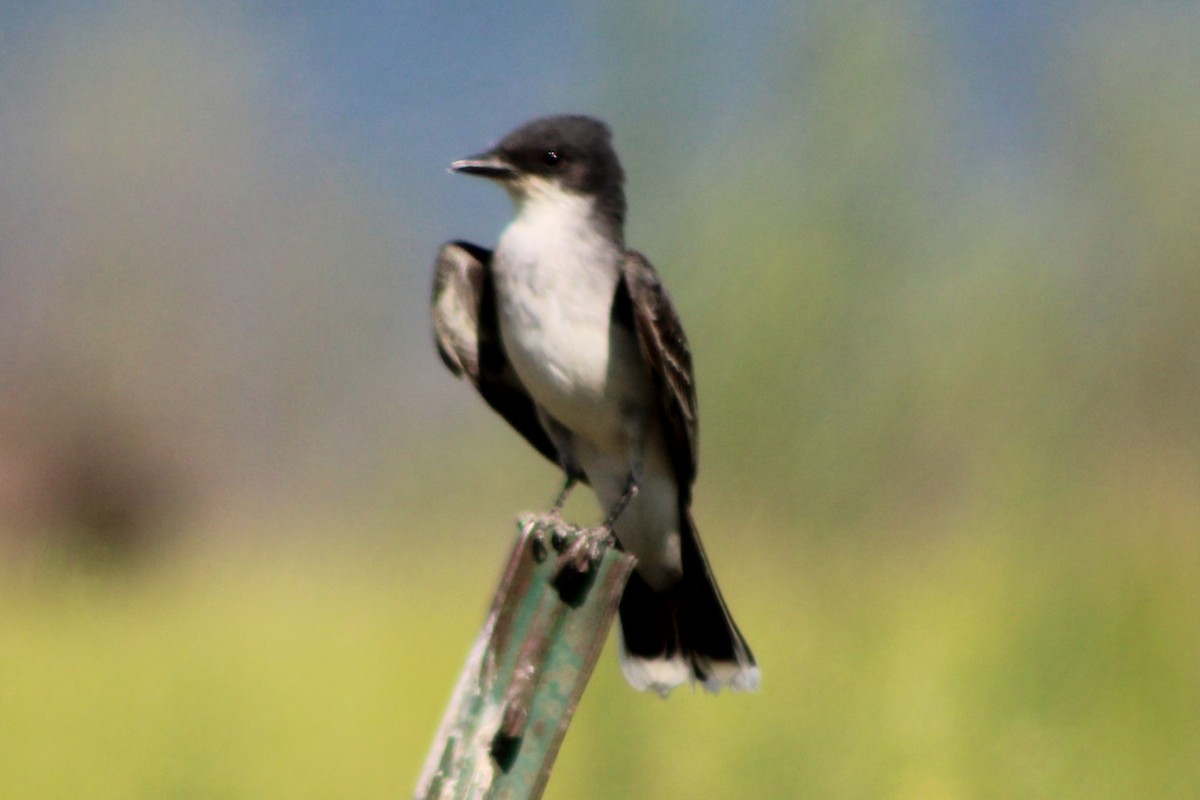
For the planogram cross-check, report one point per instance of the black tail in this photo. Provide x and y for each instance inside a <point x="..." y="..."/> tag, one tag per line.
<point x="683" y="633"/>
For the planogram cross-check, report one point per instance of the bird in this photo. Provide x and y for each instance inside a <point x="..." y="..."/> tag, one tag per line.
<point x="573" y="339"/>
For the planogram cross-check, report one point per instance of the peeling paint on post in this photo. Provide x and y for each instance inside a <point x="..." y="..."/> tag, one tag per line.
<point x="524" y="676"/>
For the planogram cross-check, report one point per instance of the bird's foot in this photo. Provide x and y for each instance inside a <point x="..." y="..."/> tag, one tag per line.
<point x="579" y="550"/>
<point x="549" y="531"/>
<point x="584" y="549"/>
<point x="578" y="556"/>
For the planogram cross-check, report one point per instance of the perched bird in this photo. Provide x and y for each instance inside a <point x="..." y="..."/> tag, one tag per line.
<point x="573" y="339"/>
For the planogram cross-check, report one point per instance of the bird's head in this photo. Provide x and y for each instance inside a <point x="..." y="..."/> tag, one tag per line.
<point x="550" y="157"/>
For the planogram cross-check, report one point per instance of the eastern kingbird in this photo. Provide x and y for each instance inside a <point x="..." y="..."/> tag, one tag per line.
<point x="573" y="339"/>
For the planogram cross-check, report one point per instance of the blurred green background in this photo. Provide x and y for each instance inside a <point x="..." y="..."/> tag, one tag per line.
<point x="940" y="267"/>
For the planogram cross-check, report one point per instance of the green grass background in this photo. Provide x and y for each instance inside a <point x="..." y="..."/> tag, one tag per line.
<point x="975" y="664"/>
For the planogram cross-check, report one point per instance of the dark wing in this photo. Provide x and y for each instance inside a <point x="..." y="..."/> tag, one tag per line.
<point x="468" y="338"/>
<point x="665" y="348"/>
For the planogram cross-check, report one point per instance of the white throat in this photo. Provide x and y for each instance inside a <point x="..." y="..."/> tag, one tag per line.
<point x="556" y="240"/>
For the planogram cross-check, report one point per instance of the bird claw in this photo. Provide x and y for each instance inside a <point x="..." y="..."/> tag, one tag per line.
<point x="578" y="548"/>
<point x="548" y="530"/>
<point x="577" y="561"/>
<point x="584" y="549"/>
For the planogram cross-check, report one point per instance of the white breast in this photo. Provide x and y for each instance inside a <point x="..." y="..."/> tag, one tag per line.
<point x="556" y="277"/>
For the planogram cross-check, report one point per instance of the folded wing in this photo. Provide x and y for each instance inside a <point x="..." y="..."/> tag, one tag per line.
<point x="665" y="348"/>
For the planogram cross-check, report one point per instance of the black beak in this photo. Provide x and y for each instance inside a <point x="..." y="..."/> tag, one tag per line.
<point x="486" y="165"/>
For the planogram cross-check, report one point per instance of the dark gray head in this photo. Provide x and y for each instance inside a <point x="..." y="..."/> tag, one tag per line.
<point x="570" y="151"/>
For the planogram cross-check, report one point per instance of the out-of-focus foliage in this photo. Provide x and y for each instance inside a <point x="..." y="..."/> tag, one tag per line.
<point x="950" y="456"/>
<point x="193" y="295"/>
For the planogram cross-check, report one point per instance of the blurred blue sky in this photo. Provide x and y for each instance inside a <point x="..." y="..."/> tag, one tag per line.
<point x="405" y="87"/>
<point x="397" y="90"/>
<point x="400" y="89"/>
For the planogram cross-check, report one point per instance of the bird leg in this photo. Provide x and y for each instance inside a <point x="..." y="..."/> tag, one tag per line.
<point x="581" y="553"/>
<point x="555" y="511"/>
<point x="630" y="492"/>
<point x="552" y="521"/>
<point x="588" y="543"/>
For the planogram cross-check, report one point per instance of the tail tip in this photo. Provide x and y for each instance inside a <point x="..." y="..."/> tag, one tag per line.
<point x="661" y="675"/>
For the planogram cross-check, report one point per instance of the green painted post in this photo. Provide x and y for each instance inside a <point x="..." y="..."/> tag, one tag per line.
<point x="525" y="674"/>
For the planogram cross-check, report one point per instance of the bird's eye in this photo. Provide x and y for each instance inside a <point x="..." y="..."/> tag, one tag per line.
<point x="550" y="158"/>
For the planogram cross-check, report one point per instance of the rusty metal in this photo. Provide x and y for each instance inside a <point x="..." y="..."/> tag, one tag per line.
<point x="526" y="672"/>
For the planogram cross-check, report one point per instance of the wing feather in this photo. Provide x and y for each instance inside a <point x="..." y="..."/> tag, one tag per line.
<point x="467" y="334"/>
<point x="665" y="348"/>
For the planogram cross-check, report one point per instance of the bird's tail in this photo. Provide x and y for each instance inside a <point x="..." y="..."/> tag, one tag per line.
<point x="685" y="632"/>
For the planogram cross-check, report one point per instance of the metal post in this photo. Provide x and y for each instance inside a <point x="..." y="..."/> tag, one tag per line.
<point x="525" y="673"/>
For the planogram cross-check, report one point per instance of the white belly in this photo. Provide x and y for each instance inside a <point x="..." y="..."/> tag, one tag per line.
<point x="555" y="299"/>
